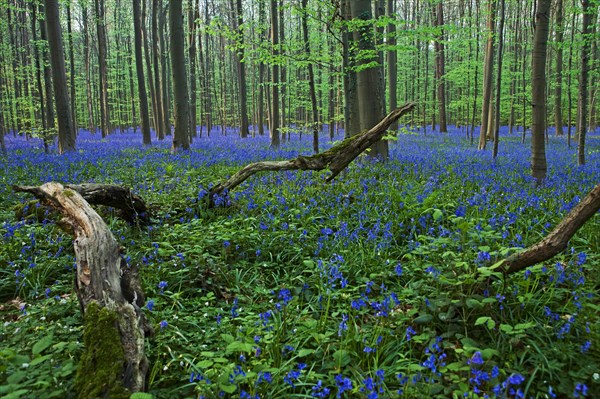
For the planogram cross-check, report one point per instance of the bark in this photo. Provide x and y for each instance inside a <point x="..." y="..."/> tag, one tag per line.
<point x="86" y="62"/>
<point x="66" y="133"/>
<point x="392" y="61"/>
<point x="440" y="64"/>
<point x="192" y="17"/>
<point x="241" y="70"/>
<point x="71" y="67"/>
<point x="351" y="111"/>
<point x="496" y="125"/>
<point x="47" y="75"/>
<point x="582" y="105"/>
<point x="274" y="122"/>
<point x="98" y="281"/>
<point x="538" y="95"/>
<point x="335" y="159"/>
<point x="371" y="92"/>
<point x="180" y="89"/>
<point x="159" y="119"/>
<point x="557" y="240"/>
<point x="488" y="68"/>
<point x="133" y="207"/>
<point x="102" y="50"/>
<point x="311" y="79"/>
<point x="139" y="67"/>
<point x="164" y="99"/>
<point x="558" y="119"/>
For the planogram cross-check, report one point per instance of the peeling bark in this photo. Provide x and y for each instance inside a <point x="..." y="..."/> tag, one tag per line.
<point x="99" y="280"/>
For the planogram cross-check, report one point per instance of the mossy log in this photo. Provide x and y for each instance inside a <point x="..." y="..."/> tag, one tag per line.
<point x="132" y="207"/>
<point x="336" y="159"/>
<point x="557" y="240"/>
<point x="100" y="283"/>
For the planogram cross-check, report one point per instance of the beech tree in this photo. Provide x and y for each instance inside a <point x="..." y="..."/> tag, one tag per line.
<point x="66" y="132"/>
<point x="180" y="89"/>
<point x="139" y="66"/>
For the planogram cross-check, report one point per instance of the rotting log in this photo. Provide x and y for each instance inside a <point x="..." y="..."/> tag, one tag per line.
<point x="336" y="159"/>
<point x="132" y="207"/>
<point x="557" y="240"/>
<point x="99" y="282"/>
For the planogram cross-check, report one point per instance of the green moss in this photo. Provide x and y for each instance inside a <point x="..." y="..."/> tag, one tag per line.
<point x="68" y="193"/>
<point x="101" y="365"/>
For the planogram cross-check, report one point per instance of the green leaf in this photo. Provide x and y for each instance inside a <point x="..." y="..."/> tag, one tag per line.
<point x="305" y="352"/>
<point x="141" y="395"/>
<point x="42" y="344"/>
<point x="16" y="377"/>
<point x="40" y="359"/>
<point x="16" y="394"/>
<point x="205" y="364"/>
<point x="228" y="388"/>
<point x="473" y="303"/>
<point x="342" y="357"/>
<point x="423" y="319"/>
<point x="488" y="321"/>
<point x="437" y="214"/>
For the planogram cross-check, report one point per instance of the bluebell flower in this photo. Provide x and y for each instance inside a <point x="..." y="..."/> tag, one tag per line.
<point x="163" y="324"/>
<point x="476" y="359"/>
<point x="343" y="384"/>
<point x="150" y="305"/>
<point x="581" y="390"/>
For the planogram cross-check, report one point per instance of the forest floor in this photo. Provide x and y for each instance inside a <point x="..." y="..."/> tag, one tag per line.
<point x="379" y="284"/>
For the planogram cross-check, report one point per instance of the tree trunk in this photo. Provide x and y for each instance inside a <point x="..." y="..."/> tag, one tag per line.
<point x="336" y="159"/>
<point x="47" y="75"/>
<point x="440" y="64"/>
<point x="311" y="79"/>
<point x="558" y="239"/>
<point x="139" y="67"/>
<point x="241" y="69"/>
<point x="583" y="81"/>
<point x="192" y="17"/>
<point x="371" y="93"/>
<point x="488" y="71"/>
<point x="351" y="111"/>
<point x="166" y="118"/>
<point x="66" y="133"/>
<point x="102" y="50"/>
<point x="558" y="120"/>
<point x="538" y="93"/>
<point x="274" y="122"/>
<point x="159" y="97"/>
<point x="180" y="89"/>
<point x="147" y="61"/>
<point x="72" y="67"/>
<point x="496" y="125"/>
<point x="104" y="293"/>
<point x="392" y="60"/>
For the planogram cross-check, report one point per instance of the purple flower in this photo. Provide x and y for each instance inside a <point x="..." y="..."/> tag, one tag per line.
<point x="150" y="305"/>
<point x="163" y="324"/>
<point x="476" y="359"/>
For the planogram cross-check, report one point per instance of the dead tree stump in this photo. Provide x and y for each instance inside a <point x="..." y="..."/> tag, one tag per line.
<point x="113" y="324"/>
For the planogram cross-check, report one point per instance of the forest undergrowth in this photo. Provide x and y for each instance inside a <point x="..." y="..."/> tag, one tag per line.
<point x="378" y="285"/>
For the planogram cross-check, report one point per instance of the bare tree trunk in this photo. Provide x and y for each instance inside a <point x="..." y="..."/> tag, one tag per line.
<point x="241" y="68"/>
<point x="440" y="64"/>
<point x="71" y="67"/>
<point x="192" y="17"/>
<point x="47" y="75"/>
<point x="496" y="125"/>
<point x="274" y="125"/>
<point x="147" y="61"/>
<point x="392" y="60"/>
<point x="109" y="295"/>
<point x="166" y="117"/>
<point x="538" y="94"/>
<point x="180" y="89"/>
<point x="139" y="67"/>
<point x="66" y="133"/>
<point x="311" y="79"/>
<point x="558" y="119"/>
<point x="371" y="93"/>
<point x="159" y="96"/>
<point x="488" y="71"/>
<point x="102" y="49"/>
<point x="351" y="111"/>
<point x="582" y="105"/>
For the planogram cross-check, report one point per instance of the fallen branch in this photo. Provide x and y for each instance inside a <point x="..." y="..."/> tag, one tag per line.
<point x="112" y="314"/>
<point x="557" y="240"/>
<point x="132" y="206"/>
<point x="336" y="159"/>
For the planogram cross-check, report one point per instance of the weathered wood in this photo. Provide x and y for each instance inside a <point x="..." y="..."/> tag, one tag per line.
<point x="557" y="240"/>
<point x="132" y="206"/>
<point x="98" y="280"/>
<point x="335" y="159"/>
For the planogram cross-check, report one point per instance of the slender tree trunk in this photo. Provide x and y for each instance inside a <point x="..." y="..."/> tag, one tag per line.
<point x="180" y="89"/>
<point x="162" y="20"/>
<point x="47" y="75"/>
<point x="38" y="72"/>
<point x="496" y="125"/>
<point x="392" y="60"/>
<point x="158" y="87"/>
<point x="192" y="16"/>
<point x="582" y="104"/>
<point x="274" y="128"/>
<point x="594" y="59"/>
<point x="139" y="67"/>
<point x="102" y="50"/>
<point x="149" y="74"/>
<point x="311" y="78"/>
<point x="488" y="71"/>
<point x="351" y="111"/>
<point x="241" y="70"/>
<point x="72" y="67"/>
<point x="558" y="120"/>
<point x="440" y="64"/>
<point x="538" y="94"/>
<point x="282" y="71"/>
<point x="66" y="133"/>
<point x="86" y="62"/>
